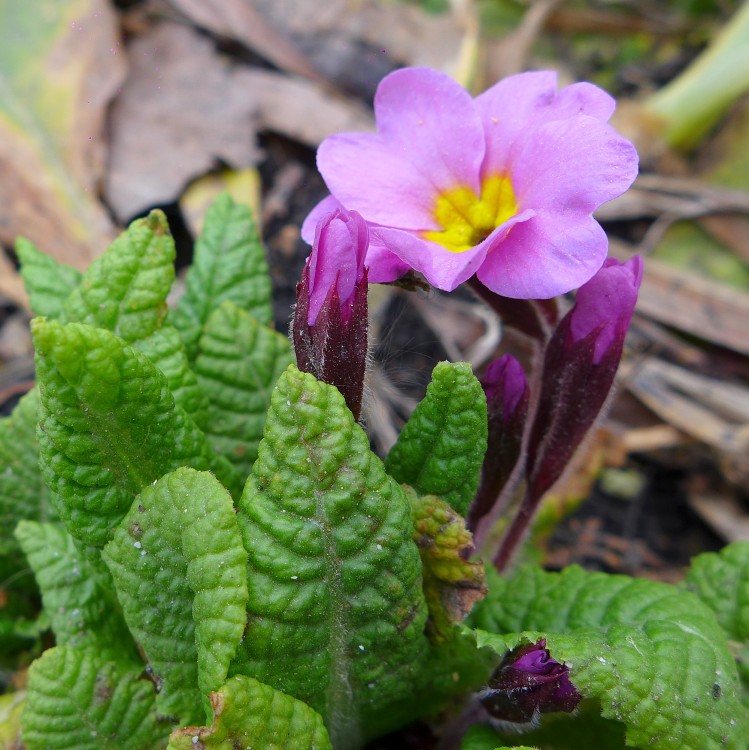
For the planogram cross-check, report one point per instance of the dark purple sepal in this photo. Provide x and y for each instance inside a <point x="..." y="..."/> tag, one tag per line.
<point x="507" y="397"/>
<point x="529" y="682"/>
<point x="334" y="349"/>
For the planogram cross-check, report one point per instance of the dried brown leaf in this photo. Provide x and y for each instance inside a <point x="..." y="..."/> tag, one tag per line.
<point x="59" y="68"/>
<point x="183" y="108"/>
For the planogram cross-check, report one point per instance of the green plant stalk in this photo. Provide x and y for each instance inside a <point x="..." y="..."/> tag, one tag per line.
<point x="693" y="102"/>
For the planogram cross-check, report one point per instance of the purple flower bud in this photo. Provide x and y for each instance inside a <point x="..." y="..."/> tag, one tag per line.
<point x="330" y="323"/>
<point x="507" y="396"/>
<point x="337" y="261"/>
<point x="605" y="304"/>
<point x="579" y="367"/>
<point x="527" y="683"/>
<point x="580" y="364"/>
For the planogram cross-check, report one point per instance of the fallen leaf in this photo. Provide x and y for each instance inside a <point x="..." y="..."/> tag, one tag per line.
<point x="59" y="67"/>
<point x="183" y="110"/>
<point x="239" y="20"/>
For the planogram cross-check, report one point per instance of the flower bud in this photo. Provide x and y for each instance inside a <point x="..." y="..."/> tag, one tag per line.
<point x="580" y="363"/>
<point x="527" y="683"/>
<point x="507" y="396"/>
<point x="330" y="323"/>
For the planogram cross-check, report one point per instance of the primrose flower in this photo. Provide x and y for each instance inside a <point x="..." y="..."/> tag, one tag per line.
<point x="502" y="186"/>
<point x="330" y="323"/>
<point x="528" y="682"/>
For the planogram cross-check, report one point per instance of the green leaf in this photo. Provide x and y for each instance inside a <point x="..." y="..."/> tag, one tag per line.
<point x="77" y="592"/>
<point x="585" y="730"/>
<point x="79" y="701"/>
<point x="23" y="493"/>
<point x="48" y="282"/>
<point x="484" y="738"/>
<point x="109" y="427"/>
<point x="452" y="583"/>
<point x="228" y="264"/>
<point x="125" y="289"/>
<point x="250" y="714"/>
<point x="442" y="446"/>
<point x="239" y="363"/>
<point x="336" y="613"/>
<point x="721" y="581"/>
<point x="652" y="654"/>
<point x="166" y="350"/>
<point x="180" y="571"/>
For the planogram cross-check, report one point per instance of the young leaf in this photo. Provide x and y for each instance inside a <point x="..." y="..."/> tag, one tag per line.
<point x="228" y="264"/>
<point x="109" y="427"/>
<point x="166" y="350"/>
<point x="247" y="713"/>
<point x="441" y="448"/>
<point x="180" y="571"/>
<point x="722" y="582"/>
<point x="125" y="289"/>
<point x="77" y="592"/>
<point x="336" y="613"/>
<point x="23" y="493"/>
<point x="452" y="583"/>
<point x="48" y="282"/>
<point x="653" y="655"/>
<point x="484" y="738"/>
<point x="79" y="701"/>
<point x="238" y="364"/>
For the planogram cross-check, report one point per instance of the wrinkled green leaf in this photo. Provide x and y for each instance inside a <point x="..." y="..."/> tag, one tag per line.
<point x="721" y="581"/>
<point x="109" y="427"/>
<point x="586" y="729"/>
<point x="77" y="592"/>
<point x="250" y="714"/>
<point x="336" y="613"/>
<point x="442" y="446"/>
<point x="228" y="264"/>
<point x="238" y="364"/>
<point x="125" y="289"/>
<point x="79" y="701"/>
<point x="166" y="350"/>
<point x="180" y="571"/>
<point x="652" y="654"/>
<point x="48" y="282"/>
<point x="23" y="493"/>
<point x="452" y="583"/>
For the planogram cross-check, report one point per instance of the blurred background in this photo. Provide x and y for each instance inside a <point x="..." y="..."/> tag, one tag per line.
<point x="111" y="108"/>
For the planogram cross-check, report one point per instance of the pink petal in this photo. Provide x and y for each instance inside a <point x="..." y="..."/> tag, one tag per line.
<point x="507" y="108"/>
<point x="441" y="267"/>
<point x="325" y="206"/>
<point x="430" y="140"/>
<point x="527" y="100"/>
<point x="382" y="264"/>
<point x="574" y="164"/>
<point x="582" y="99"/>
<point x="548" y="255"/>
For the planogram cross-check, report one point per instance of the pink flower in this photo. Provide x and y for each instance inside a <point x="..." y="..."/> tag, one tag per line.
<point x="502" y="186"/>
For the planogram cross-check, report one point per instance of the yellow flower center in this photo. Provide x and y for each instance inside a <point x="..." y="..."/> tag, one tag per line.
<point x="467" y="219"/>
